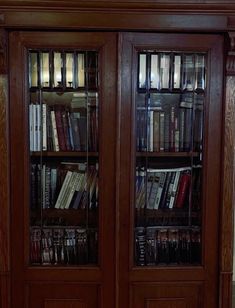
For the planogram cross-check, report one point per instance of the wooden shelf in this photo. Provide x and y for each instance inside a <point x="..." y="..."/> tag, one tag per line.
<point x="177" y="213"/>
<point x="167" y="154"/>
<point x="74" y="217"/>
<point x="64" y="154"/>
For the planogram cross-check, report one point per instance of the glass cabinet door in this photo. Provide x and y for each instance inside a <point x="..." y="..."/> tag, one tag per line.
<point x="169" y="130"/>
<point x="63" y="96"/>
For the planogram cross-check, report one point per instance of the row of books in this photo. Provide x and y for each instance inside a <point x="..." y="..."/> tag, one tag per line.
<point x="56" y="128"/>
<point x="61" y="246"/>
<point x="170" y="128"/>
<point x="67" y="186"/>
<point x="163" y="188"/>
<point x="154" y="246"/>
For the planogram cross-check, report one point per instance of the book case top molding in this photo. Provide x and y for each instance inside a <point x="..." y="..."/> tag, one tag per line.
<point x="122" y="16"/>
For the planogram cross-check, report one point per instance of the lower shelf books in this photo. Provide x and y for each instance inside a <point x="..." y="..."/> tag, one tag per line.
<point x="63" y="246"/>
<point x="163" y="188"/>
<point x="167" y="246"/>
<point x="65" y="186"/>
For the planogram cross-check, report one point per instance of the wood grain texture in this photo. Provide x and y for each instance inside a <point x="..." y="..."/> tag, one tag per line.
<point x="171" y="295"/>
<point x="226" y="234"/>
<point x="225" y="290"/>
<point x="228" y="177"/>
<point x="206" y="5"/>
<point x="73" y="18"/>
<point x="4" y="192"/>
<point x="5" y="290"/>
<point x="61" y="303"/>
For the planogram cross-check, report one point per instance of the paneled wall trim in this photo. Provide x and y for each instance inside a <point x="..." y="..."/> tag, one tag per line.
<point x="226" y="256"/>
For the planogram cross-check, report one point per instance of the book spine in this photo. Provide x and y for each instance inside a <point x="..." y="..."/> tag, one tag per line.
<point x="150" y="133"/>
<point x="184" y="183"/>
<point x="54" y="132"/>
<point x="39" y="127"/>
<point x="35" y="128"/>
<point x="31" y="128"/>
<point x="71" y="138"/>
<point x="71" y="189"/>
<point x="60" y="130"/>
<point x="156" y="131"/>
<point x="63" y="189"/>
<point x="160" y="189"/>
<point x="66" y="130"/>
<point x="172" y="129"/>
<point x="174" y="189"/>
<point x="165" y="190"/>
<point x="44" y="127"/>
<point x="162" y="131"/>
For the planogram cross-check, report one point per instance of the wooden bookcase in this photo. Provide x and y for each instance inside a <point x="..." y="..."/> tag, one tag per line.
<point x="117" y="140"/>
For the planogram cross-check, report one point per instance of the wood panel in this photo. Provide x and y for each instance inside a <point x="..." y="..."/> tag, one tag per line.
<point x="61" y="295"/>
<point x="113" y="20"/>
<point x="171" y="295"/>
<point x="226" y="234"/>
<point x="61" y="303"/>
<point x="166" y="303"/>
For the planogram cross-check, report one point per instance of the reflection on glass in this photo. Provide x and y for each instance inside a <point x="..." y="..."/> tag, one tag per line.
<point x="33" y="71"/>
<point x="154" y="79"/>
<point x="177" y="71"/>
<point x="64" y="194"/>
<point x="164" y="71"/>
<point x="69" y="70"/>
<point x="92" y="68"/>
<point x="142" y="70"/>
<point x="81" y="69"/>
<point x="58" y="65"/>
<point x="45" y="72"/>
<point x="169" y="164"/>
<point x="200" y="72"/>
<point x="188" y="73"/>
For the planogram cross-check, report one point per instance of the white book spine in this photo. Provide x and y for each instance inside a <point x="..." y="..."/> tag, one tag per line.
<point x="31" y="128"/>
<point x="63" y="189"/>
<point x="54" y="132"/>
<point x="38" y="134"/>
<point x="151" y="131"/>
<point x="34" y="128"/>
<point x="71" y="189"/>
<point x="44" y="127"/>
<point x="174" y="190"/>
<point x="43" y="186"/>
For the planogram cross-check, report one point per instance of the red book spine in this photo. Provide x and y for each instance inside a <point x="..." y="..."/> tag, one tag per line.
<point x="184" y="183"/>
<point x="60" y="130"/>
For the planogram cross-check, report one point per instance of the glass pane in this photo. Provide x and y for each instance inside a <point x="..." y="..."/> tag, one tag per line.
<point x="33" y="69"/>
<point x="142" y="71"/>
<point x="81" y="69"/>
<point x="164" y="71"/>
<point x="64" y="170"/>
<point x="177" y="71"/>
<point x="200" y="72"/>
<point x="45" y="69"/>
<point x="188" y="73"/>
<point x="69" y="70"/>
<point x="58" y="66"/>
<point x="154" y="71"/>
<point x="169" y="167"/>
